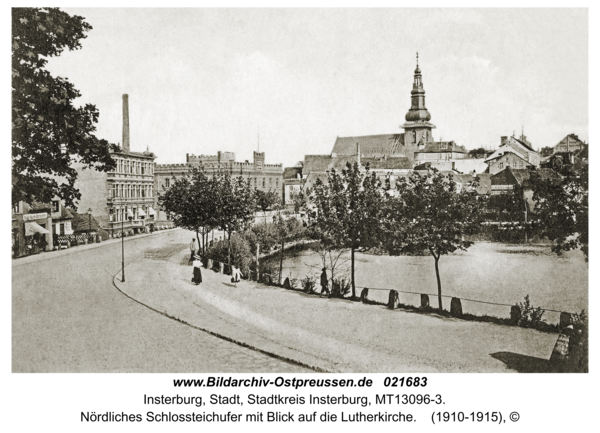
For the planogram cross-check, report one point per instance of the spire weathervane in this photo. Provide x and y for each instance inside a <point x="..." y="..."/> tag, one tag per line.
<point x="417" y="58"/>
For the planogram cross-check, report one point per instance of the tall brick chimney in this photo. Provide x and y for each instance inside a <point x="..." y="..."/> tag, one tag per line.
<point x="126" y="123"/>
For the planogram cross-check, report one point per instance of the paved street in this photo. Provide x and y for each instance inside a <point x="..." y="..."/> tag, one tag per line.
<point x="331" y="334"/>
<point x="69" y="317"/>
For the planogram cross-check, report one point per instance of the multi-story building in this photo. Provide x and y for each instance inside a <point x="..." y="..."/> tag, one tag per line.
<point x="125" y="196"/>
<point x="440" y="151"/>
<point x="511" y="148"/>
<point x="265" y="177"/>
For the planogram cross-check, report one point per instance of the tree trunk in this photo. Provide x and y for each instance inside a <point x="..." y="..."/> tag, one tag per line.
<point x="352" y="272"/>
<point x="229" y="251"/>
<point x="198" y="239"/>
<point x="281" y="261"/>
<point x="439" y="282"/>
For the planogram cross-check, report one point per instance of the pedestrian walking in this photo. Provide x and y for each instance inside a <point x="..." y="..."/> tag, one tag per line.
<point x="236" y="274"/>
<point x="192" y="250"/>
<point x="324" y="283"/>
<point x="197" y="263"/>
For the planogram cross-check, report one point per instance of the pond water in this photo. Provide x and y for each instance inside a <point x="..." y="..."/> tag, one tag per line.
<point x="489" y="272"/>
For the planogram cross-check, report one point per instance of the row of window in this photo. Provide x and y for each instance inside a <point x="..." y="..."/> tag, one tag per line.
<point x="128" y="166"/>
<point x="120" y="213"/>
<point x="131" y="190"/>
<point x="514" y="165"/>
<point x="264" y="182"/>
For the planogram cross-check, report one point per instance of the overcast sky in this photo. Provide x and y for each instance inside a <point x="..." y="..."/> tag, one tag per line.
<point x="203" y="80"/>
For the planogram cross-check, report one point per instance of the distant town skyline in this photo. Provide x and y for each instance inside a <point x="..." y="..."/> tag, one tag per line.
<point x="204" y="80"/>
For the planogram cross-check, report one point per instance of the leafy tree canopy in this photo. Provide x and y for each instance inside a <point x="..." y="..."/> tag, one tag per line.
<point x="430" y="214"/>
<point x="563" y="209"/>
<point x="49" y="134"/>
<point x="348" y="210"/>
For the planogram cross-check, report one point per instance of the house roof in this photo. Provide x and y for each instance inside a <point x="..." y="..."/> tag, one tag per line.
<point x="442" y="147"/>
<point x="485" y="181"/>
<point x="522" y="175"/>
<point x="291" y="172"/>
<point x="504" y="150"/>
<point x="81" y="222"/>
<point x="385" y="144"/>
<point x="523" y="143"/>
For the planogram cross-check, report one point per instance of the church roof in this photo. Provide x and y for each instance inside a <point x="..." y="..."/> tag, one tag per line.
<point x="384" y="144"/>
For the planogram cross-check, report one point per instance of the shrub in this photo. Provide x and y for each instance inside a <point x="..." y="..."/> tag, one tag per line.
<point x="529" y="316"/>
<point x="241" y="256"/>
<point x="308" y="284"/>
<point x="340" y="287"/>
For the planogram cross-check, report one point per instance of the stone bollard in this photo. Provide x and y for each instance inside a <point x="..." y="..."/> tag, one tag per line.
<point x="424" y="301"/>
<point x="98" y="239"/>
<point x="515" y="315"/>
<point x="455" y="307"/>
<point x="560" y="353"/>
<point x="364" y="295"/>
<point x="221" y="267"/>
<point x="566" y="319"/>
<point x="209" y="264"/>
<point x="393" y="300"/>
<point x="286" y="284"/>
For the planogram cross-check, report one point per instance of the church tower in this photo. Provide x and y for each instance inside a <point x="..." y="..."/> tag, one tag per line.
<point x="417" y="129"/>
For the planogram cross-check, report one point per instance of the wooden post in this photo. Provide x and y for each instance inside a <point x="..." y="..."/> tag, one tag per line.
<point x="257" y="267"/>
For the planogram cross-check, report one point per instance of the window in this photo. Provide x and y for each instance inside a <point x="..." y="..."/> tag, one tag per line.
<point x="270" y="182"/>
<point x="264" y="181"/>
<point x="55" y="206"/>
<point x="277" y="182"/>
<point x="501" y="165"/>
<point x="521" y="164"/>
<point x="167" y="183"/>
<point x="255" y="182"/>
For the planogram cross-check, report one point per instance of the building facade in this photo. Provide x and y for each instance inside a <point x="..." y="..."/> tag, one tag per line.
<point x="508" y="158"/>
<point x="125" y="197"/>
<point x="440" y="151"/>
<point x="262" y="176"/>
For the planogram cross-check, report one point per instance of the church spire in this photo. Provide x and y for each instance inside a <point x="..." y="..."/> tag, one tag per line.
<point x="418" y="112"/>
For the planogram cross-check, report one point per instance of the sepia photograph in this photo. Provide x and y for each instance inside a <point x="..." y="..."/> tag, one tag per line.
<point x="287" y="191"/>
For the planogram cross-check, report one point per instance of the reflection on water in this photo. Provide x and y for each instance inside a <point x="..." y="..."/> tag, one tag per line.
<point x="491" y="272"/>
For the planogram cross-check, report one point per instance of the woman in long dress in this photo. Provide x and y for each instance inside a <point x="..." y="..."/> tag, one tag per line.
<point x="236" y="274"/>
<point x="197" y="273"/>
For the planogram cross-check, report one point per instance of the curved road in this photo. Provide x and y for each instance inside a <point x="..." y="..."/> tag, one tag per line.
<point x="68" y="317"/>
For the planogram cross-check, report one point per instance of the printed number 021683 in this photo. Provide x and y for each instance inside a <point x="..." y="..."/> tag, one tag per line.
<point x="405" y="381"/>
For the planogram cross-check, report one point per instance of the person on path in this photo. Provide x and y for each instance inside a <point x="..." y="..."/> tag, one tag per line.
<point x="324" y="283"/>
<point x="236" y="274"/>
<point x="192" y="250"/>
<point x="197" y="279"/>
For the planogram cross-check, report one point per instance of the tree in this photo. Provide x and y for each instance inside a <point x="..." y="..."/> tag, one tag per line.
<point x="546" y="151"/>
<point x="477" y="153"/>
<point x="190" y="203"/>
<point x="234" y="204"/>
<point x="265" y="200"/>
<point x="348" y="211"/>
<point x="299" y="201"/>
<point x="562" y="208"/>
<point x="287" y="230"/>
<point x="430" y="215"/>
<point x="49" y="134"/>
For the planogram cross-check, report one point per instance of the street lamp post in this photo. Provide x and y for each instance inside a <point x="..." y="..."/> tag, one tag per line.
<point x="89" y="220"/>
